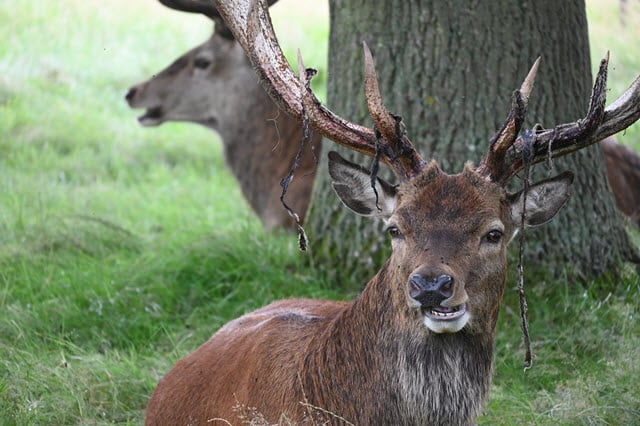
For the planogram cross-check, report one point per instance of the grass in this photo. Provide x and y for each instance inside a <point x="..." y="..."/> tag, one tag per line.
<point x="585" y="345"/>
<point x="122" y="248"/>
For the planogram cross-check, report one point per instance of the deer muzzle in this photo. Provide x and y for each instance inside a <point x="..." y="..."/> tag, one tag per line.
<point x="434" y="295"/>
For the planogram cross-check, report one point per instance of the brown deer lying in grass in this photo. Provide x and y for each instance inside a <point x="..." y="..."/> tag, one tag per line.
<point x="192" y="89"/>
<point x="416" y="346"/>
<point x="214" y="85"/>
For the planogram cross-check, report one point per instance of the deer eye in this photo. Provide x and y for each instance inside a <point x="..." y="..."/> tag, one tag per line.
<point x="201" y="63"/>
<point x="493" y="236"/>
<point x="394" y="231"/>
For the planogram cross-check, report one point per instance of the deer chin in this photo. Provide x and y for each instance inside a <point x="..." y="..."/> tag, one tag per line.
<point x="440" y="319"/>
<point x="152" y="117"/>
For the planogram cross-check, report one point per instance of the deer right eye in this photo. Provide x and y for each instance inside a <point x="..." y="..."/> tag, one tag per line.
<point x="201" y="63"/>
<point x="394" y="231"/>
<point x="493" y="237"/>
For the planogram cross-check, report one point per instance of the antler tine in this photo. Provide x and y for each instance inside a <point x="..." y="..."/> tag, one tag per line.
<point x="403" y="157"/>
<point x="384" y="120"/>
<point x="564" y="139"/>
<point x="506" y="136"/>
<point x="527" y="84"/>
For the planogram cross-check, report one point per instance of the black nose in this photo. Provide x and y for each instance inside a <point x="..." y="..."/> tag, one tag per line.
<point x="430" y="291"/>
<point x="130" y="94"/>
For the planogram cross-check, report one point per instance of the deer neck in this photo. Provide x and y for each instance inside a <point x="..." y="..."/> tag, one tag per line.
<point x="252" y="123"/>
<point x="444" y="378"/>
<point x="248" y="119"/>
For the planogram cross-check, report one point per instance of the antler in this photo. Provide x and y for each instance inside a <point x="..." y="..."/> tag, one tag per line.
<point x="507" y="134"/>
<point x="250" y="23"/>
<point x="509" y="153"/>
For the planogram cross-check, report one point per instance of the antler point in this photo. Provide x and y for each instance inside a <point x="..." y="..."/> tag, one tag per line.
<point x="527" y="84"/>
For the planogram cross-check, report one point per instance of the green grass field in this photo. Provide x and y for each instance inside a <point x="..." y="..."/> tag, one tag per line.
<point x="123" y="248"/>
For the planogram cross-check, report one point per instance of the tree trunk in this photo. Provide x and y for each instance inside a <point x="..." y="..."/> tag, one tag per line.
<point x="448" y="68"/>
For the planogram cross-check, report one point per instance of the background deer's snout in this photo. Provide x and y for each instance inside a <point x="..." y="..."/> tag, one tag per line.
<point x="131" y="94"/>
<point x="430" y="290"/>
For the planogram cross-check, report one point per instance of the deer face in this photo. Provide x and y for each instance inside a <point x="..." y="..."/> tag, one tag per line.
<point x="449" y="235"/>
<point x="196" y="87"/>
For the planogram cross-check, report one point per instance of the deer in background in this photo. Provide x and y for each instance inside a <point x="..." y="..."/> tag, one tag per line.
<point x="194" y="89"/>
<point x="215" y="85"/>
<point x="416" y="346"/>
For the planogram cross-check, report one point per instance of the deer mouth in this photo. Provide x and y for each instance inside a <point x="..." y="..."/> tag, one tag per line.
<point x="444" y="319"/>
<point x="443" y="313"/>
<point x="152" y="117"/>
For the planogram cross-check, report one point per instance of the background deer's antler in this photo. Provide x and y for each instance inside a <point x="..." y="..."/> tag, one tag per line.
<point x="193" y="6"/>
<point x="204" y="7"/>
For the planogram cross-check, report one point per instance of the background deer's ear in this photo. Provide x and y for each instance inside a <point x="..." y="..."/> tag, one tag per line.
<point x="352" y="183"/>
<point x="544" y="200"/>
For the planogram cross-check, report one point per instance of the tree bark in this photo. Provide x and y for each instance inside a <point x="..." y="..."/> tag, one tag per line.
<point x="448" y="68"/>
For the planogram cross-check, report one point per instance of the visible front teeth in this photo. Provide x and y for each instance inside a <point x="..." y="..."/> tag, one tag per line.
<point x="442" y="314"/>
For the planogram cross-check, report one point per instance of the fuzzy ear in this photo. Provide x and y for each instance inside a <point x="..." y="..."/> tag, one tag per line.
<point x="352" y="183"/>
<point x="544" y="200"/>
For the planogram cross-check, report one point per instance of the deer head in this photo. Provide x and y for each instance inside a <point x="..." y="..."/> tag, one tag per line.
<point x="215" y="85"/>
<point x="197" y="86"/>
<point x="449" y="235"/>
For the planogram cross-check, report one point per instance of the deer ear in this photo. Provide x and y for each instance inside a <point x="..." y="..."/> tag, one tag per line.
<point x="544" y="200"/>
<point x="352" y="183"/>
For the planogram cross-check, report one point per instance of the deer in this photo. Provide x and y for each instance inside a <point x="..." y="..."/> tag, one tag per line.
<point x="416" y="345"/>
<point x="187" y="94"/>
<point x="214" y="85"/>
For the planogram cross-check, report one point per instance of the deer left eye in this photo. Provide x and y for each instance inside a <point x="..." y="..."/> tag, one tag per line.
<point x="201" y="63"/>
<point x="493" y="237"/>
